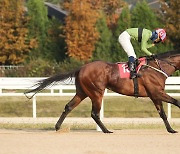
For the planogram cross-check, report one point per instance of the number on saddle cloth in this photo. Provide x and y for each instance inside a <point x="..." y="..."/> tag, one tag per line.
<point x="124" y="69"/>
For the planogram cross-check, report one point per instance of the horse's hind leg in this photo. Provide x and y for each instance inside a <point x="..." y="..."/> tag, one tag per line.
<point x="162" y="114"/>
<point x="96" y="107"/>
<point x="68" y="108"/>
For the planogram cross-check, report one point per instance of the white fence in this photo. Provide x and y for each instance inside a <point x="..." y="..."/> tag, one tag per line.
<point x="18" y="85"/>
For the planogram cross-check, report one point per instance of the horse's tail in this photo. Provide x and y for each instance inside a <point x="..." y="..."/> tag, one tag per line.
<point x="42" y="84"/>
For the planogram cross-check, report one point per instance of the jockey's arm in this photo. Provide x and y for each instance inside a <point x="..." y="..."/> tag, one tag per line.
<point x="145" y="45"/>
<point x="149" y="45"/>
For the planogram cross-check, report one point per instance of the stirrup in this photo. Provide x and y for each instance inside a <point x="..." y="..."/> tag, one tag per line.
<point x="135" y="75"/>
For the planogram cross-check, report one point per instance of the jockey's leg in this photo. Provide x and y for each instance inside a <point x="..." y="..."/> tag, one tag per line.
<point x="124" y="40"/>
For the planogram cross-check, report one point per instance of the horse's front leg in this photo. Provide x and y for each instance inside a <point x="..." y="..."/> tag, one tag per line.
<point x="159" y="107"/>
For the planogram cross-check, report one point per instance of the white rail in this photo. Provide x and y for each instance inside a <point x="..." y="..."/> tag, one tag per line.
<point x="6" y="84"/>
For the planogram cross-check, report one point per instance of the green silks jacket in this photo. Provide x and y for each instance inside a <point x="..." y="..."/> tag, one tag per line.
<point x="146" y="35"/>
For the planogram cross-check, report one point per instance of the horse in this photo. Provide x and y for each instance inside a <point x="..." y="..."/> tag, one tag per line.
<point x="93" y="78"/>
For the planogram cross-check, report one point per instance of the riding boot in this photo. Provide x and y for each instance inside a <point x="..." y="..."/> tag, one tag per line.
<point x="132" y="67"/>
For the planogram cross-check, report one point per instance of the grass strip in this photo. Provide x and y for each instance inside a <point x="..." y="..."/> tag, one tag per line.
<point x="76" y="126"/>
<point x="54" y="106"/>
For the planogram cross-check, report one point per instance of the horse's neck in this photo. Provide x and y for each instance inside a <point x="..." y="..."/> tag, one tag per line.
<point x="163" y="66"/>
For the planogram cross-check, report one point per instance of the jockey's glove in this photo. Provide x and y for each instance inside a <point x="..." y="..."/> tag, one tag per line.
<point x="154" y="56"/>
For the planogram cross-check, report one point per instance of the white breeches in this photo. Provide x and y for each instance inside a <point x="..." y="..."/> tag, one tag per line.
<point x="124" y="40"/>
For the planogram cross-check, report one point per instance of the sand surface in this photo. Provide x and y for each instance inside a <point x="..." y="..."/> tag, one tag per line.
<point x="88" y="142"/>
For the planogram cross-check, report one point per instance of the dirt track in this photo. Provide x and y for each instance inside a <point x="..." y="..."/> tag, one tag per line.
<point x="89" y="142"/>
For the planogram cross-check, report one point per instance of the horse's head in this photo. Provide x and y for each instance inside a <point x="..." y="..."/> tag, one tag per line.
<point x="172" y="58"/>
<point x="178" y="61"/>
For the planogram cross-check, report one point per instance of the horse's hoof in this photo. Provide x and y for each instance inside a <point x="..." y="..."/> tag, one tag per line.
<point x="57" y="127"/>
<point x="172" y="131"/>
<point x="107" y="131"/>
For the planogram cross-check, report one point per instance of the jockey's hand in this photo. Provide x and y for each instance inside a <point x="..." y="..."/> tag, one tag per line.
<point x="154" y="56"/>
<point x="156" y="42"/>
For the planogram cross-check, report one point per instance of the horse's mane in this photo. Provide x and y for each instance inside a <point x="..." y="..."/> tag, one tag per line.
<point x="164" y="54"/>
<point x="168" y="54"/>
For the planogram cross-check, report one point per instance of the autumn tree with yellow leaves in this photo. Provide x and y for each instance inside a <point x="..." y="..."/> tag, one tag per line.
<point x="112" y="8"/>
<point x="80" y="29"/>
<point x="14" y="45"/>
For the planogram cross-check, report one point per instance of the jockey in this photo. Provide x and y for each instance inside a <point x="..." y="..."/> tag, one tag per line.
<point x="141" y="35"/>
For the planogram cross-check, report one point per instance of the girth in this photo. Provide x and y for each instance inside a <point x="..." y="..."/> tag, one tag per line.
<point x="136" y="87"/>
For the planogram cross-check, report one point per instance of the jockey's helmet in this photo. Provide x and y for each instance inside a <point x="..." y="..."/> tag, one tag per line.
<point x="161" y="33"/>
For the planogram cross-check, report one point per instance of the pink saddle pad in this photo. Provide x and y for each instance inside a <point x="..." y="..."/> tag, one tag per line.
<point x="124" y="70"/>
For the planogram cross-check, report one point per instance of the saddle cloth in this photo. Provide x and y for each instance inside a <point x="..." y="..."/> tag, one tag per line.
<point x="124" y="69"/>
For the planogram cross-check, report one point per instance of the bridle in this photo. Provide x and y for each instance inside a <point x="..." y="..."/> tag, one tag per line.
<point x="161" y="70"/>
<point x="169" y="63"/>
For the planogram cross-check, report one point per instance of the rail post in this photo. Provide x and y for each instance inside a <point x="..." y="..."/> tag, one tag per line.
<point x="169" y="110"/>
<point x="34" y="106"/>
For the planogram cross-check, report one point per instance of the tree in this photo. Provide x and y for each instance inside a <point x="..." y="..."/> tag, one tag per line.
<point x="14" y="45"/>
<point x="112" y="10"/>
<point x="56" y="47"/>
<point x="38" y="25"/>
<point x="124" y="20"/>
<point x="143" y="16"/>
<point x="123" y="23"/>
<point x="103" y="45"/>
<point x="170" y="16"/>
<point x="80" y="30"/>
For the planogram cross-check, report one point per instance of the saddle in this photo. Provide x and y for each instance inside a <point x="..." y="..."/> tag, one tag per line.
<point x="124" y="71"/>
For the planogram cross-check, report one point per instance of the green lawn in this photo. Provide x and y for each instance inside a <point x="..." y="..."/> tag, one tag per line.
<point x="54" y="106"/>
<point x="92" y="126"/>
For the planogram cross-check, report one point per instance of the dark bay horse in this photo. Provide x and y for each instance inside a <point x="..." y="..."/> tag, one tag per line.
<point x="92" y="79"/>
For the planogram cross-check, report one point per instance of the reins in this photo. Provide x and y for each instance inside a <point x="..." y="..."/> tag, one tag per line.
<point x="161" y="70"/>
<point x="158" y="70"/>
<point x="170" y="64"/>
